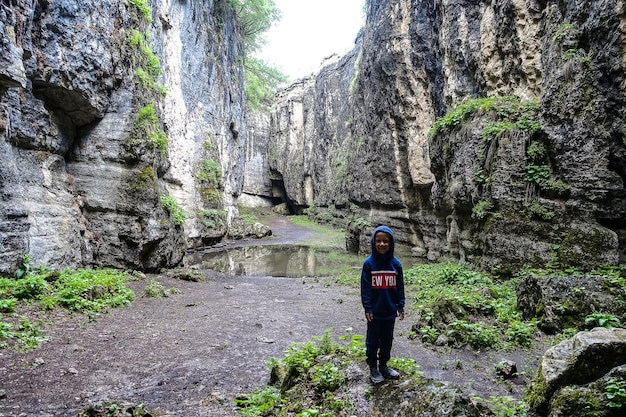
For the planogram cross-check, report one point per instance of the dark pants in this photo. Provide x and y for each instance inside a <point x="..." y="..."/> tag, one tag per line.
<point x="378" y="341"/>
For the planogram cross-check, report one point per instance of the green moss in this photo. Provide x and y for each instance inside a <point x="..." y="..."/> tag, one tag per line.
<point x="555" y="188"/>
<point x="536" y="210"/>
<point x="578" y="402"/>
<point x="213" y="219"/>
<point x="510" y="114"/>
<point x="146" y="180"/>
<point x="536" y="393"/>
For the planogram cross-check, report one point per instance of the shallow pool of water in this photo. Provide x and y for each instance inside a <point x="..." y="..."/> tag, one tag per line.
<point x="274" y="260"/>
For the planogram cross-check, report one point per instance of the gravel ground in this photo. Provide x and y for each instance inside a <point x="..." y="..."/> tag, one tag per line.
<point x="191" y="353"/>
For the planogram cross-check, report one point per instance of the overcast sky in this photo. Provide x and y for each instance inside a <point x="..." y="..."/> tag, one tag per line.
<point x="309" y="31"/>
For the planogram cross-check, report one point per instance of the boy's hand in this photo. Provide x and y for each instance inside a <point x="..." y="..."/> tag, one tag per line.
<point x="369" y="316"/>
<point x="401" y="315"/>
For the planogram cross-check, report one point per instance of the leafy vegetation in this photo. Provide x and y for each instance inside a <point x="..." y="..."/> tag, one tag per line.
<point x="512" y="114"/>
<point x="467" y="307"/>
<point x="175" y="211"/>
<point x="317" y="367"/>
<point x="262" y="81"/>
<point x="210" y="173"/>
<point x="147" y="130"/>
<point x="615" y="392"/>
<point x="599" y="319"/>
<point x="539" y="211"/>
<point x="148" y="66"/>
<point x="481" y="209"/>
<point x="144" y="8"/>
<point x="506" y="406"/>
<point x="255" y="17"/>
<point x="213" y="218"/>
<point x="84" y="290"/>
<point x="495" y="129"/>
<point x="537" y="174"/>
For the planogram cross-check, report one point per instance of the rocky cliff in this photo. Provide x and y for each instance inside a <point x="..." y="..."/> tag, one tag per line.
<point x="487" y="131"/>
<point x="122" y="128"/>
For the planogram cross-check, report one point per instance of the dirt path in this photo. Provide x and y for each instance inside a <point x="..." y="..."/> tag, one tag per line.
<point x="191" y="353"/>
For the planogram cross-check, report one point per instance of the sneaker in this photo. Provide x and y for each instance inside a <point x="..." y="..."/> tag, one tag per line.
<point x="375" y="376"/>
<point x="389" y="373"/>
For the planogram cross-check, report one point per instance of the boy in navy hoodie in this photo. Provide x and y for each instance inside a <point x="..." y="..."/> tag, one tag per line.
<point x="382" y="295"/>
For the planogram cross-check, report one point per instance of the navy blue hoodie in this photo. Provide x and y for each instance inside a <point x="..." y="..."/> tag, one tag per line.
<point x="382" y="281"/>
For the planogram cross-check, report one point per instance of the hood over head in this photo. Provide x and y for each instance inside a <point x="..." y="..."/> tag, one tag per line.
<point x="389" y="254"/>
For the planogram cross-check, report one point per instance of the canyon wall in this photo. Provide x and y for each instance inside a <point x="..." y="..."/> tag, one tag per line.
<point x="485" y="131"/>
<point x="109" y="116"/>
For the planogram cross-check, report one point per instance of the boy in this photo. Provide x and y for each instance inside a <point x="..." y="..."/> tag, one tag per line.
<point x="382" y="295"/>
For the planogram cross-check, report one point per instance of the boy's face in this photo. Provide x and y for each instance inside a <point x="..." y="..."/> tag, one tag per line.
<point x="382" y="242"/>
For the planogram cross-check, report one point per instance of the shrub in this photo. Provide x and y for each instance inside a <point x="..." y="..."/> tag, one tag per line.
<point x="468" y="306"/>
<point x="85" y="291"/>
<point x="327" y="377"/>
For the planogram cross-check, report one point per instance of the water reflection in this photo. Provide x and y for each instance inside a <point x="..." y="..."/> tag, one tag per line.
<point x="271" y="260"/>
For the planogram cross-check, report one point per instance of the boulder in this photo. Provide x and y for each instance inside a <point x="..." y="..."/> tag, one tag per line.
<point x="576" y="364"/>
<point x="562" y="302"/>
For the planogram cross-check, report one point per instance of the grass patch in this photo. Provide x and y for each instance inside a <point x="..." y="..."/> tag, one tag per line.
<point x="467" y="307"/>
<point x="86" y="291"/>
<point x="310" y="380"/>
<point x="331" y="238"/>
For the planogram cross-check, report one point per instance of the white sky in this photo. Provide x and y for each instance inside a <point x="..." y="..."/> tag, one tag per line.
<point x="309" y="31"/>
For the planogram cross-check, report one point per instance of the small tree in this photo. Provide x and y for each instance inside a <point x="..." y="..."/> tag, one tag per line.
<point x="261" y="82"/>
<point x="255" y="17"/>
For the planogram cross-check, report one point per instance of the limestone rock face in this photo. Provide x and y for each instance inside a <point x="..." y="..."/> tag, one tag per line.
<point x="80" y="184"/>
<point x="308" y="130"/>
<point x="565" y="302"/>
<point x="549" y="188"/>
